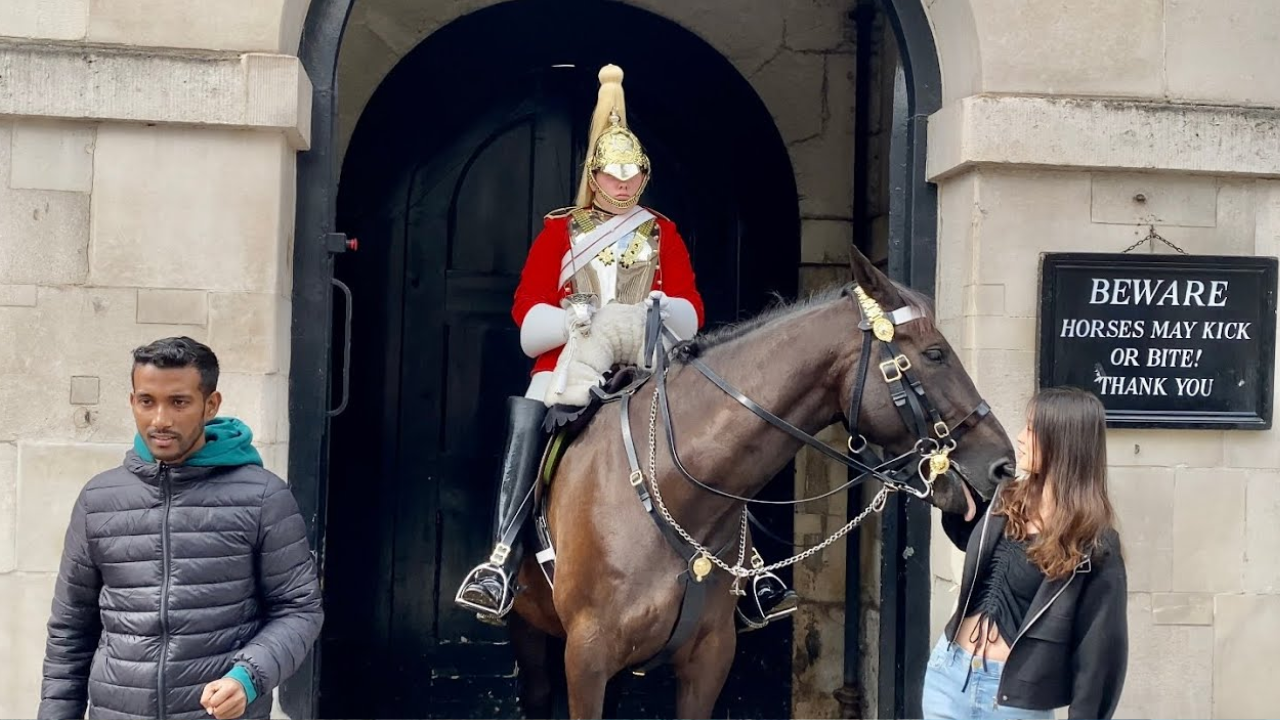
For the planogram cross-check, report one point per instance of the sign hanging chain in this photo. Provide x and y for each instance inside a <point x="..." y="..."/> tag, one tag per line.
<point x="1152" y="235"/>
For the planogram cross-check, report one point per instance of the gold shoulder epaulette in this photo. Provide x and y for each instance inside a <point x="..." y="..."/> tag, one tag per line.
<point x="582" y="220"/>
<point x="561" y="213"/>
<point x="658" y="214"/>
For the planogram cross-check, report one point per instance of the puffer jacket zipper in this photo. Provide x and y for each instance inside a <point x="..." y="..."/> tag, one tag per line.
<point x="164" y="583"/>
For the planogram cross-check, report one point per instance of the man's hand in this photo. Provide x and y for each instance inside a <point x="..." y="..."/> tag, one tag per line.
<point x="224" y="699"/>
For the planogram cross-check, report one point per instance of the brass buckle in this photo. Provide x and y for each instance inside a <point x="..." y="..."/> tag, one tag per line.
<point x="941" y="430"/>
<point x="500" y="554"/>
<point x="637" y="479"/>
<point x="897" y="366"/>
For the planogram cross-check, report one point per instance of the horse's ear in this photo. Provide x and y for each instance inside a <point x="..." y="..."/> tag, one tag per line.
<point x="873" y="282"/>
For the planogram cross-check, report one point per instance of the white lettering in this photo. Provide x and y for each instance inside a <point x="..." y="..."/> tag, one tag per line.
<point x="1218" y="293"/>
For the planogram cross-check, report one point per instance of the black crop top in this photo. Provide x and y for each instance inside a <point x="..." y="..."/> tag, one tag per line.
<point x="1004" y="592"/>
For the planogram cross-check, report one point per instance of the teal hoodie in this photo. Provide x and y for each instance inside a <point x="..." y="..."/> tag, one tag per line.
<point x="228" y="442"/>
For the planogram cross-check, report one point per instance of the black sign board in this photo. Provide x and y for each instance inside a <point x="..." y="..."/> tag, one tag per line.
<point x="1177" y="341"/>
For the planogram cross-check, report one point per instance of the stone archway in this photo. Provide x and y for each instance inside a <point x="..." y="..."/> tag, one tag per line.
<point x="911" y="258"/>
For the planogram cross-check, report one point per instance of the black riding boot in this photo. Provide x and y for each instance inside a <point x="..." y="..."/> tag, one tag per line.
<point x="489" y="588"/>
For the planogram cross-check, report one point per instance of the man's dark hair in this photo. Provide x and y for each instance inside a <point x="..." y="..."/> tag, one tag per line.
<point x="175" y="353"/>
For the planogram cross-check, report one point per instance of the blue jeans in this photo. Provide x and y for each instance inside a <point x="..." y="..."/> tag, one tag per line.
<point x="959" y="686"/>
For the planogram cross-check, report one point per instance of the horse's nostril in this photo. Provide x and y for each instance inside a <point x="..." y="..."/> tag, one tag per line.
<point x="1002" y="469"/>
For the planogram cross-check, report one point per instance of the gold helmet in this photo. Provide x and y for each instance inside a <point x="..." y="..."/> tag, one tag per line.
<point x="612" y="148"/>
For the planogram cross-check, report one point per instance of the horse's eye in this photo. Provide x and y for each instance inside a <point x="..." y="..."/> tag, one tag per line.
<point x="934" y="354"/>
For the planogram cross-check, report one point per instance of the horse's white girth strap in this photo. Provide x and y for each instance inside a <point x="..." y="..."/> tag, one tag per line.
<point x="601" y="237"/>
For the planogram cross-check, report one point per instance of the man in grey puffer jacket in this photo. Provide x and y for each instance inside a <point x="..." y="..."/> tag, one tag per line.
<point x="187" y="588"/>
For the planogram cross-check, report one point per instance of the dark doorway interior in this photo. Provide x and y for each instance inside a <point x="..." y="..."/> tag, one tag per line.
<point x="467" y="144"/>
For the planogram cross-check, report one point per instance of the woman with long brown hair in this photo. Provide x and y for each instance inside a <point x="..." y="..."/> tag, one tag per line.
<point x="1041" y="622"/>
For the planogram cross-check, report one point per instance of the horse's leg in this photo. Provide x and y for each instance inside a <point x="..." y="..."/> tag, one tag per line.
<point x="587" y="668"/>
<point x="532" y="650"/>
<point x="702" y="670"/>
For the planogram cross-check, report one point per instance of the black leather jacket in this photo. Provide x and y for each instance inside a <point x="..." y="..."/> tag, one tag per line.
<point x="1073" y="647"/>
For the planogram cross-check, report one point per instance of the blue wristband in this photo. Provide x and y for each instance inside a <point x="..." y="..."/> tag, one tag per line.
<point x="241" y="675"/>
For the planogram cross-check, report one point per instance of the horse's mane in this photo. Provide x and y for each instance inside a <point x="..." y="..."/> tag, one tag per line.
<point x="782" y="310"/>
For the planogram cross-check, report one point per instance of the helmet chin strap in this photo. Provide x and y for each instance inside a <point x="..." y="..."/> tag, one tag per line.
<point x="612" y="204"/>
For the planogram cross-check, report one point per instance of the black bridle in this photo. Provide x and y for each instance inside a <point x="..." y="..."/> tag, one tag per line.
<point x="909" y="397"/>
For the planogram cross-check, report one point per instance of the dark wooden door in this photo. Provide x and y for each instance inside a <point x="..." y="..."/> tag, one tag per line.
<point x="471" y="216"/>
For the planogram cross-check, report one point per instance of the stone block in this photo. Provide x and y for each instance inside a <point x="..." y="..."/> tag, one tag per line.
<point x="1222" y="51"/>
<point x="958" y="215"/>
<point x="8" y="507"/>
<point x="173" y="307"/>
<point x="749" y="36"/>
<point x="84" y="391"/>
<point x="1022" y="214"/>
<point x="1138" y="199"/>
<point x="17" y="295"/>
<point x="1096" y="47"/>
<point x="1003" y="333"/>
<point x="1103" y="134"/>
<point x="44" y="235"/>
<point x="105" y="83"/>
<point x="1244" y="635"/>
<point x="824" y="176"/>
<point x="1167" y="448"/>
<point x="1253" y="449"/>
<point x="942" y="603"/>
<point x="817" y="658"/>
<point x="825" y="242"/>
<point x="1262" y="532"/>
<point x="818" y="25"/>
<point x="44" y="20"/>
<point x="1006" y="378"/>
<point x="1144" y="503"/>
<point x="242" y="25"/>
<point x="1208" y="530"/>
<point x="210" y="197"/>
<point x="275" y="458"/>
<point x="52" y="156"/>
<point x="50" y="477"/>
<point x="1167" y="667"/>
<point x="261" y="401"/>
<point x="87" y="332"/>
<point x="1182" y="609"/>
<point x="1266" y="234"/>
<point x="823" y="575"/>
<point x="792" y="86"/>
<point x="24" y="617"/>
<point x="984" y="300"/>
<point x="244" y="330"/>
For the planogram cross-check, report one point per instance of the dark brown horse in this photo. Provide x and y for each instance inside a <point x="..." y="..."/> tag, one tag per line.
<point x="616" y="595"/>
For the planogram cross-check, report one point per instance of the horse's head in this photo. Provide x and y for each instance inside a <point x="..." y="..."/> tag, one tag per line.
<point x="982" y="456"/>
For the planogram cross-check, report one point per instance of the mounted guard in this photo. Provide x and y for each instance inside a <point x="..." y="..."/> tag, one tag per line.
<point x="590" y="277"/>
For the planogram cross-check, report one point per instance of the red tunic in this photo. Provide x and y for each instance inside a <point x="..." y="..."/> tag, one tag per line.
<point x="538" y="280"/>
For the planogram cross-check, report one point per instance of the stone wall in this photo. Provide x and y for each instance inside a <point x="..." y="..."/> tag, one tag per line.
<point x="1197" y="509"/>
<point x="1044" y="144"/>
<point x="143" y="193"/>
